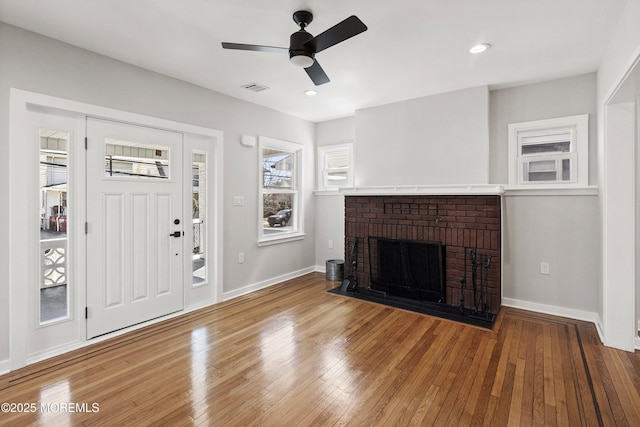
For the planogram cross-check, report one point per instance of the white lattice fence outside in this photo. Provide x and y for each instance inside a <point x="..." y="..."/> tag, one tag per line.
<point x="53" y="262"/>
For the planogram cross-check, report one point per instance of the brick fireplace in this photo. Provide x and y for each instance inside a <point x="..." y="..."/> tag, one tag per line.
<point x="459" y="222"/>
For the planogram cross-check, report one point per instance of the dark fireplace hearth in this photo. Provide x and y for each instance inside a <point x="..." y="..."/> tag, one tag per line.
<point x="410" y="233"/>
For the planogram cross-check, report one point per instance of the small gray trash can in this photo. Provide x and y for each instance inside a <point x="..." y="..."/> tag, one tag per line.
<point x="335" y="269"/>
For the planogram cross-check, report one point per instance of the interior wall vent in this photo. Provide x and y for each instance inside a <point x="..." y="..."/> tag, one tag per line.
<point x="256" y="87"/>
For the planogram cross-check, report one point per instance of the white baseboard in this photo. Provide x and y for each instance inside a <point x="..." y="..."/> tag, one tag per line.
<point x="320" y="269"/>
<point x="554" y="310"/>
<point x="197" y="306"/>
<point x="266" y="283"/>
<point x="600" y="327"/>
<point x="57" y="351"/>
<point x="5" y="366"/>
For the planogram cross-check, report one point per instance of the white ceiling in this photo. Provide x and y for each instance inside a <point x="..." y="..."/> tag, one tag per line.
<point x="412" y="48"/>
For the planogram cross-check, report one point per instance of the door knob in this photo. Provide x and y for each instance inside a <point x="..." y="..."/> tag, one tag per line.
<point x="176" y="234"/>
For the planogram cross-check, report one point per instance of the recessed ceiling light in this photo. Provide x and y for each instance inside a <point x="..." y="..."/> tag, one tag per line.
<point x="479" y="48"/>
<point x="310" y="92"/>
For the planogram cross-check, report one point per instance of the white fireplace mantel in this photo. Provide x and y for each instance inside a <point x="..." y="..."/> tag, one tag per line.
<point x="410" y="190"/>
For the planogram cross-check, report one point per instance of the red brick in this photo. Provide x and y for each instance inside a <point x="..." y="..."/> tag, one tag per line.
<point x="464" y="222"/>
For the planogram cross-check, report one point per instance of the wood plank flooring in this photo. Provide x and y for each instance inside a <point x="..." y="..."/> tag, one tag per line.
<point x="296" y="355"/>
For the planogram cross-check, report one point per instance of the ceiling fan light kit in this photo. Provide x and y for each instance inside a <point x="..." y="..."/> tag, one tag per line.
<point x="304" y="46"/>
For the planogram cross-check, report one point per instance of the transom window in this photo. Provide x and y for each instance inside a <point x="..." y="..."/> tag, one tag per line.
<point x="549" y="153"/>
<point x="135" y="160"/>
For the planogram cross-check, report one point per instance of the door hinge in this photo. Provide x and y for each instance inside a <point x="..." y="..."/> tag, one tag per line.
<point x="86" y="142"/>
<point x="86" y="228"/>
<point x="86" y="312"/>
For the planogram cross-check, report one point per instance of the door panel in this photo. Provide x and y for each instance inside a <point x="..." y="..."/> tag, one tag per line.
<point x="134" y="198"/>
<point x="141" y="248"/>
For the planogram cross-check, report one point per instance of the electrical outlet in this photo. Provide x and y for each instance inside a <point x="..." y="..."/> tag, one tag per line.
<point x="238" y="201"/>
<point x="330" y="244"/>
<point x="240" y="257"/>
<point x="544" y="268"/>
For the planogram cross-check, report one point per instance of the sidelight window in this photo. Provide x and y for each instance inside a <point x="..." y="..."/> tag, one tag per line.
<point x="199" y="217"/>
<point x="54" y="265"/>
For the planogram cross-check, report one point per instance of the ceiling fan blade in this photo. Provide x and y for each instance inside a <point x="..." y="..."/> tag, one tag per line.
<point x="317" y="74"/>
<point x="352" y="26"/>
<point x="254" y="47"/>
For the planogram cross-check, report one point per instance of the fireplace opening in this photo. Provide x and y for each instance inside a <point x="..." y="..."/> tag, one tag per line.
<point x="408" y="269"/>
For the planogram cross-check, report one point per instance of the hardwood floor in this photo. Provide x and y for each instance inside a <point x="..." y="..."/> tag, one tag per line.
<point x="294" y="354"/>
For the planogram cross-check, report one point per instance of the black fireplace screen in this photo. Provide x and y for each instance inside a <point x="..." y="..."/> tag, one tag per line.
<point x="407" y="268"/>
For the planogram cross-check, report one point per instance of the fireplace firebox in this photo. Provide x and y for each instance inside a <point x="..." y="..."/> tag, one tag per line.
<point x="407" y="268"/>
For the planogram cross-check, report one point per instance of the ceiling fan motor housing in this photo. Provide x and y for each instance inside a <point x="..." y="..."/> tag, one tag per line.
<point x="297" y="48"/>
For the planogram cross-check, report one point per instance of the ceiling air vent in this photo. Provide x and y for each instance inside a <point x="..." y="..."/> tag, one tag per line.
<point x="256" y="87"/>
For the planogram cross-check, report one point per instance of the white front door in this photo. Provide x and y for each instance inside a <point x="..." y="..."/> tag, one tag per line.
<point x="134" y="225"/>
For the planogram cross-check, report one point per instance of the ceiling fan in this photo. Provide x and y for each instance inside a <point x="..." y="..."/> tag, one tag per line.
<point x="304" y="46"/>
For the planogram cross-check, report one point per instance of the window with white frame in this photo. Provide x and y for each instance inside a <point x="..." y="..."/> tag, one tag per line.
<point x="280" y="208"/>
<point x="335" y="166"/>
<point x="551" y="153"/>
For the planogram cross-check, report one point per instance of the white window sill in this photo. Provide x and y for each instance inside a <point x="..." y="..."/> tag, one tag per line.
<point x="591" y="190"/>
<point x="281" y="239"/>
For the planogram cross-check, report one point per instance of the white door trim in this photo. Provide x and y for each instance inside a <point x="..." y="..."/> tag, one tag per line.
<point x="20" y="102"/>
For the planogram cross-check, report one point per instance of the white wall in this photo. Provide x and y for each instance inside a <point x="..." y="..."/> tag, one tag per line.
<point x="562" y="230"/>
<point x="330" y="206"/>
<point x="546" y="100"/>
<point x="38" y="64"/>
<point x="618" y="284"/>
<point x="440" y="139"/>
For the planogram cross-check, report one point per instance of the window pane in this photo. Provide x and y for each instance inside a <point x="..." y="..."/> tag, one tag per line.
<point x="566" y="169"/>
<point x="336" y="159"/>
<point x="131" y="159"/>
<point x="555" y="147"/>
<point x="54" y="299"/>
<point x="199" y="215"/>
<point x="542" y="176"/>
<point x="336" y="178"/>
<point x="278" y="213"/>
<point x="277" y="168"/>
<point x="542" y="166"/>
<point x="544" y="170"/>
